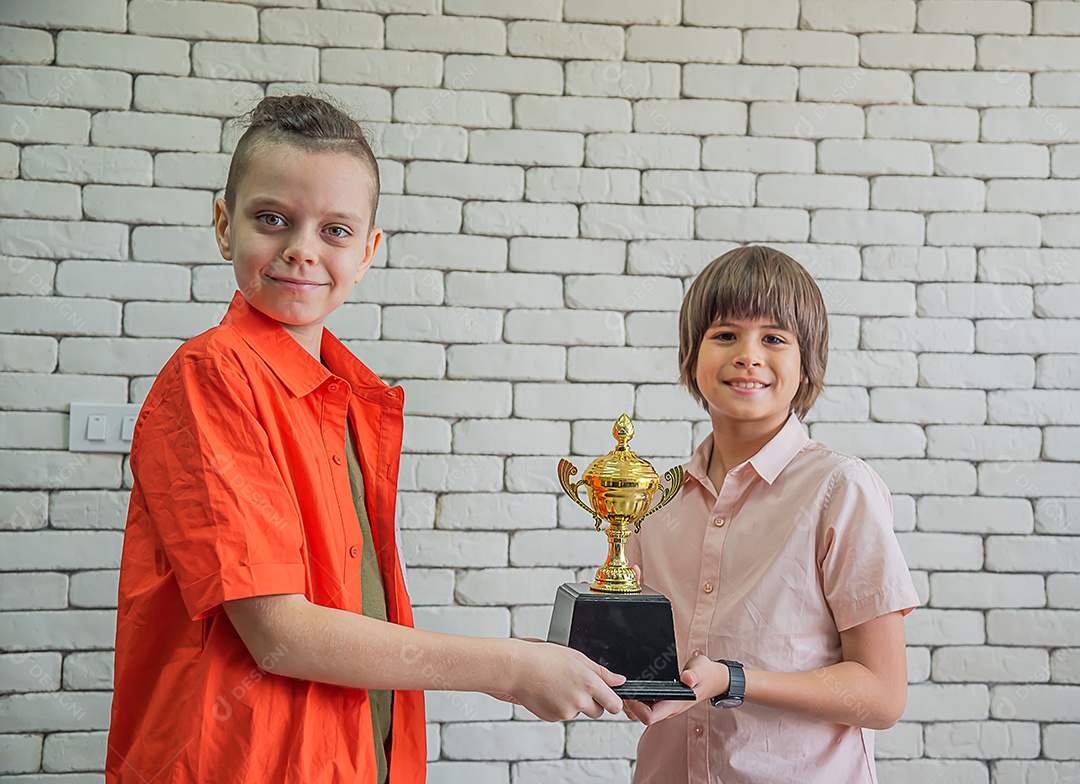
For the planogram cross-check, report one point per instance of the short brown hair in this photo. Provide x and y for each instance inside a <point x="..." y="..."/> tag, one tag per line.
<point x="755" y="282"/>
<point x="304" y="121"/>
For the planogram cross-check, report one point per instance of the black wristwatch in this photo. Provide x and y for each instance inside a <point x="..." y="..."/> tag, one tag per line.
<point x="733" y="697"/>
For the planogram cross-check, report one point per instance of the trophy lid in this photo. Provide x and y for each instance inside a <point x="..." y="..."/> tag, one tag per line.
<point x="621" y="467"/>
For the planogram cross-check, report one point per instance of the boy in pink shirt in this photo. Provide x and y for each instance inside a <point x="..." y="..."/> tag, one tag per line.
<point x="788" y="585"/>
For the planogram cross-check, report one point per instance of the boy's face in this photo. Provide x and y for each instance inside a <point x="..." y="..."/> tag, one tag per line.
<point x="748" y="371"/>
<point x="299" y="236"/>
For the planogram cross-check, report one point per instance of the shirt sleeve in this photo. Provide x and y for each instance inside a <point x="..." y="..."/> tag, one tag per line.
<point x="215" y="494"/>
<point x="863" y="571"/>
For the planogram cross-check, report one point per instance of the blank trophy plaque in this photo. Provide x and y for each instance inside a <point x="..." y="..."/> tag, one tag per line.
<point x="617" y="622"/>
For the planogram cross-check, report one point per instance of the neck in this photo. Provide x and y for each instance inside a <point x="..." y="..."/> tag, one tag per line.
<point x="308" y="336"/>
<point x="735" y="442"/>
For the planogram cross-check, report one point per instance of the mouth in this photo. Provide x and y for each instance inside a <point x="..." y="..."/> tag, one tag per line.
<point x="746" y="385"/>
<point x="295" y="284"/>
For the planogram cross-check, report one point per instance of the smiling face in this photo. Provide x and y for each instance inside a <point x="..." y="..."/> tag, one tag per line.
<point x="748" y="371"/>
<point x="299" y="235"/>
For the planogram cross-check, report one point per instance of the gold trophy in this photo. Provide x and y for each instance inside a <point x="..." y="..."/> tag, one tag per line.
<point x="617" y="622"/>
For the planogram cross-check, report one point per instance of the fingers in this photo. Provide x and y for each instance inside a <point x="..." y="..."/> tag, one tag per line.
<point x="609" y="677"/>
<point x="637" y="571"/>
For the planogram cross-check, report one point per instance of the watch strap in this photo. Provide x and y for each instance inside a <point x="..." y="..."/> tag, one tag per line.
<point x="736" y="691"/>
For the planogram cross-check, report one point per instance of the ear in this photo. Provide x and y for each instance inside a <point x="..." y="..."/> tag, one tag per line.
<point x="373" y="240"/>
<point x="221" y="229"/>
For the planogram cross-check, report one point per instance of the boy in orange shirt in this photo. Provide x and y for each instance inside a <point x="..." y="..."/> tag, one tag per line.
<point x="787" y="583"/>
<point x="264" y="628"/>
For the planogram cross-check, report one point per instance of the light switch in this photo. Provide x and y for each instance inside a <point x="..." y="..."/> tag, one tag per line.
<point x="95" y="427"/>
<point x="127" y="428"/>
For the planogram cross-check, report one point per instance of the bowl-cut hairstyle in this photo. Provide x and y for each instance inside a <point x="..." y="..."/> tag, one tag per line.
<point x="757" y="282"/>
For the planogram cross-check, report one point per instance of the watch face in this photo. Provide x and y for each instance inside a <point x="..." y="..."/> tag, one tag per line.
<point x="728" y="702"/>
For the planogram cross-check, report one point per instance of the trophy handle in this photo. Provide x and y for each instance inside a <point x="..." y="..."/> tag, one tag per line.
<point x="567" y="470"/>
<point x="674" y="476"/>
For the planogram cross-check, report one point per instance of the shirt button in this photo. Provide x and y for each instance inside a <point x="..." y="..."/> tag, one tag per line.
<point x="695" y="652"/>
<point x="332" y="387"/>
<point x="336" y="459"/>
<point x="354" y="551"/>
<point x="708" y="587"/>
<point x="698" y="729"/>
<point x="718" y="521"/>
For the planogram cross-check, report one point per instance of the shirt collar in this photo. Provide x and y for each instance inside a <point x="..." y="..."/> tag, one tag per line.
<point x="769" y="461"/>
<point x="298" y="370"/>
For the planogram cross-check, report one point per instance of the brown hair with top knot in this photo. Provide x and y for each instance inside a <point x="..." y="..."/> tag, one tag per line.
<point x="305" y="121"/>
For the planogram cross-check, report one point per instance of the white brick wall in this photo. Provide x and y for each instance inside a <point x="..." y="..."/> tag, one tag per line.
<point x="556" y="174"/>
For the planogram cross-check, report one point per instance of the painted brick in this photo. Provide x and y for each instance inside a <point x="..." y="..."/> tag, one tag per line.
<point x="752" y="224"/>
<point x="500" y="9"/>
<point x="740" y="82"/>
<point x="108" y="15"/>
<point x="506" y="740"/>
<point x="461" y="107"/>
<point x="77" y="87"/>
<point x="155" y="131"/>
<point x="806" y="120"/>
<point x="1037" y="125"/>
<point x="38" y="124"/>
<point x="95" y="509"/>
<point x="1035" y="406"/>
<point x="873" y="440"/>
<point x="627" y="364"/>
<point x="1056" y="372"/>
<point x="446" y="34"/>
<point x="698" y="188"/>
<point x="321" y="28"/>
<point x="255" y="62"/>
<point x="576" y="327"/>
<point x="465" y="180"/>
<point x="194" y="21"/>
<point x="922" y="194"/>
<point x="566" y="41"/>
<point x="387" y="68"/>
<point x="473" y="621"/>
<point x="986" y="591"/>
<point x="30" y="430"/>
<point x="503" y="74"/>
<point x="28" y="353"/>
<point x="915" y="51"/>
<point x="1035" y="336"/>
<point x="872" y="368"/>
<point x="448" y="252"/>
<point x="550" y="401"/>
<point x="572" y="113"/>
<point x="618" y="186"/>
<point x="416" y="213"/>
<point x="758" y="155"/>
<point x="689" y="116"/>
<point x="1044" y="53"/>
<point x="983" y="740"/>
<point x="203" y="97"/>
<point x="974" y="17"/>
<point x="1028" y="266"/>
<point x="919" y="264"/>
<point x="30" y="47"/>
<point x="31" y="199"/>
<point x="1051" y="628"/>
<point x="495" y="511"/>
<point x="977" y="90"/>
<point x="503" y="290"/>
<point x="800" y="47"/>
<point x="191" y="169"/>
<point x="440" y="325"/>
<point x="611" y="221"/>
<point x="767" y="13"/>
<point x="854" y="85"/>
<point x="682" y="45"/>
<point x="999" y="229"/>
<point x="975" y="515"/>
<point x="1054" y="89"/>
<point x="928" y="123"/>
<point x="1061" y="590"/>
<point x="32" y="591"/>
<point x="976" y="371"/>
<point x="133" y="204"/>
<point x="975" y="300"/>
<point x="529" y="254"/>
<point x="880" y="16"/>
<point x="928" y="406"/>
<point x="623" y="80"/>
<point x="512" y="362"/>
<point x="369" y="104"/>
<point x="992" y="160"/>
<point x="173" y="244"/>
<point x="20" y="753"/>
<point x="878" y="227"/>
<point x="536" y="148"/>
<point x="812" y="191"/>
<point x="840" y="404"/>
<point x="86" y="164"/>
<point x="131" y="53"/>
<point x="511" y="219"/>
<point x="9" y="161"/>
<point x="618" y="12"/>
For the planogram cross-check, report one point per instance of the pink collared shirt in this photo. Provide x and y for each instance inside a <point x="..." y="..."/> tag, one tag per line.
<point x="797" y="547"/>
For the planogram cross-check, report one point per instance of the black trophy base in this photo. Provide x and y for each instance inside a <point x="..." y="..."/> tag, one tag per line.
<point x="630" y="634"/>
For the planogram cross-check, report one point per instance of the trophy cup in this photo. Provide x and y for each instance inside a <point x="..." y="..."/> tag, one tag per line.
<point x="627" y="627"/>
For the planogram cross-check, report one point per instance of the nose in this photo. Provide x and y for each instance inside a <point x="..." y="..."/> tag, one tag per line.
<point x="747" y="354"/>
<point x="300" y="248"/>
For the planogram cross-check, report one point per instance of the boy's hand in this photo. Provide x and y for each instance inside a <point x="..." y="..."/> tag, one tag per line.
<point x="557" y="683"/>
<point x="706" y="677"/>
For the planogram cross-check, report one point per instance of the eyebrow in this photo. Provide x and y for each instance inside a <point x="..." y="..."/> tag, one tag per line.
<point x="780" y="327"/>
<point x="270" y="201"/>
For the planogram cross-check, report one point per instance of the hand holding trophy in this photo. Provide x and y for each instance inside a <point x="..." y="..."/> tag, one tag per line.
<point x="617" y="622"/>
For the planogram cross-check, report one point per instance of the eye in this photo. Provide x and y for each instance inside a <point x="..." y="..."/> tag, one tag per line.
<point x="724" y="336"/>
<point x="338" y="231"/>
<point x="774" y="340"/>
<point x="270" y="219"/>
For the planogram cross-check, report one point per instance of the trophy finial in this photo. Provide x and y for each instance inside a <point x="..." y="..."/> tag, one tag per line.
<point x="623" y="432"/>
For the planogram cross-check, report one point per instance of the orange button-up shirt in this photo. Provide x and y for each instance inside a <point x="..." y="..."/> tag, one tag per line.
<point x="797" y="547"/>
<point x="242" y="489"/>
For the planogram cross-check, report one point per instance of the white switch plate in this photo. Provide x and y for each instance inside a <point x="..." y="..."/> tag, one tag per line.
<point x="114" y="422"/>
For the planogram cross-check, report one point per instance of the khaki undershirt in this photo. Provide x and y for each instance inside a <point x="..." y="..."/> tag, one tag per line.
<point x="373" y="605"/>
